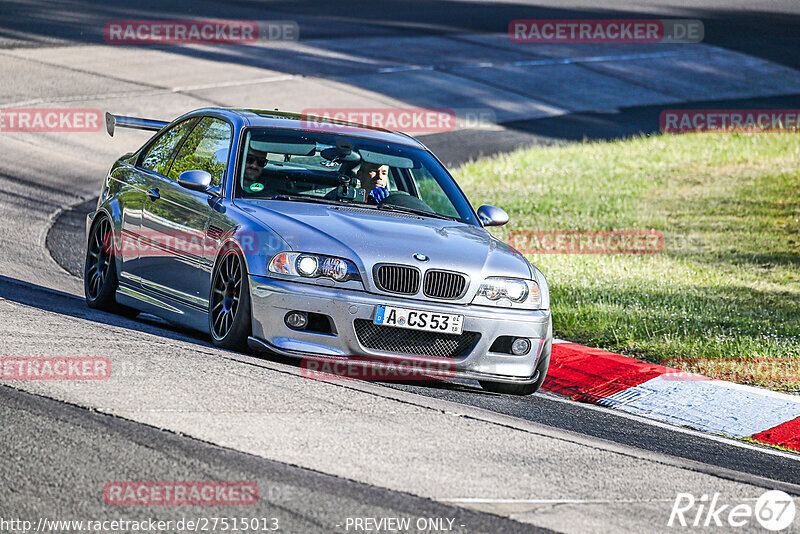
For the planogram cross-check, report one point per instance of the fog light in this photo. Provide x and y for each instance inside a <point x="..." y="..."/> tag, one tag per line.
<point x="520" y="346"/>
<point x="296" y="320"/>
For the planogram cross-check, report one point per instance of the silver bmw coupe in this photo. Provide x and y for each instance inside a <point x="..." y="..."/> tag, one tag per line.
<point x="315" y="238"/>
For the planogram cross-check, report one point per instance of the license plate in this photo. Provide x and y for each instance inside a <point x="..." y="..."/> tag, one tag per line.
<point x="446" y="323"/>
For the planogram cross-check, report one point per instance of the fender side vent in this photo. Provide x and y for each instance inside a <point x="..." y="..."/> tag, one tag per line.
<point x="214" y="232"/>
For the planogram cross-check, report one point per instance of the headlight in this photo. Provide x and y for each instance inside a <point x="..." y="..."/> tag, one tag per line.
<point x="313" y="266"/>
<point x="307" y="265"/>
<point x="509" y="292"/>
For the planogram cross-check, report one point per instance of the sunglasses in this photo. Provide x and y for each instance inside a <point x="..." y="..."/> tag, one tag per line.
<point x="252" y="160"/>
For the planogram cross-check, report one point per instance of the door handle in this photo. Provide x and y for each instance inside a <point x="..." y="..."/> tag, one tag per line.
<point x="153" y="194"/>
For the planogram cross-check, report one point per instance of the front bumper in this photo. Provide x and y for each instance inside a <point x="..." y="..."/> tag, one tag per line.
<point x="272" y="299"/>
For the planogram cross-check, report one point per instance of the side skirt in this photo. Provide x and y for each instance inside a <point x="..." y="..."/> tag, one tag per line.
<point x="169" y="310"/>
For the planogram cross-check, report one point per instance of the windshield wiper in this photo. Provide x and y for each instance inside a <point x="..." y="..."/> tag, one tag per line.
<point x="403" y="209"/>
<point x="299" y="198"/>
<point x="386" y="207"/>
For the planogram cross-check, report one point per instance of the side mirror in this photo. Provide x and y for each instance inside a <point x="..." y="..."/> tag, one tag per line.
<point x="492" y="216"/>
<point x="196" y="180"/>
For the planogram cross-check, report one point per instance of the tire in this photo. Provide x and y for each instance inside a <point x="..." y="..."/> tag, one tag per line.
<point x="229" y="303"/>
<point x="522" y="389"/>
<point x="99" y="271"/>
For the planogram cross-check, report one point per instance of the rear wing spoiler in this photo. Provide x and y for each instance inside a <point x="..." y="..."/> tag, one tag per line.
<point x="112" y="121"/>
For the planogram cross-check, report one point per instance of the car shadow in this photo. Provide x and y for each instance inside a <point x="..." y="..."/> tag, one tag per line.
<point x="441" y="384"/>
<point x="55" y="301"/>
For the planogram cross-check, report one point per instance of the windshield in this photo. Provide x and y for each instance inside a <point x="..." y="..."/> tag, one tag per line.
<point x="310" y="166"/>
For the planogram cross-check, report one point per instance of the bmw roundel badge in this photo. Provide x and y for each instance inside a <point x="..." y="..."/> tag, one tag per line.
<point x="420" y="257"/>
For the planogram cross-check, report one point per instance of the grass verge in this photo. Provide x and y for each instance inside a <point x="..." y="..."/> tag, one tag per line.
<point x="726" y="286"/>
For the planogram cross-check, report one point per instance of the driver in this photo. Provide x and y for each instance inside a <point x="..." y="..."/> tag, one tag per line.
<point x="253" y="167"/>
<point x="374" y="179"/>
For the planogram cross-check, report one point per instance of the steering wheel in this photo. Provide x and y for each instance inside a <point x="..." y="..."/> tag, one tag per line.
<point x="405" y="200"/>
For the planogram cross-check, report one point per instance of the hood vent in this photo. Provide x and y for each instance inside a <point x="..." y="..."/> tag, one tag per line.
<point x="379" y="212"/>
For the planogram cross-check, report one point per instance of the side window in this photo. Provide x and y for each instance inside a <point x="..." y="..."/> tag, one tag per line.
<point x="159" y="155"/>
<point x="206" y="149"/>
<point x="432" y="193"/>
<point x="393" y="184"/>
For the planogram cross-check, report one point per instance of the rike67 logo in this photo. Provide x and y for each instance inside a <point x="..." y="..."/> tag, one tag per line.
<point x="774" y="511"/>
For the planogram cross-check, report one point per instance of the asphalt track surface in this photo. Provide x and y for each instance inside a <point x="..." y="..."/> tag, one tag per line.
<point x="766" y="29"/>
<point x="301" y="500"/>
<point x="57" y="455"/>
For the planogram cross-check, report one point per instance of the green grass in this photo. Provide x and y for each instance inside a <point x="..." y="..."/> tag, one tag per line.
<point x="726" y="285"/>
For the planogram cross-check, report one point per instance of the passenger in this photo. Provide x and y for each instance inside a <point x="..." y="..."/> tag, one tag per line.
<point x="374" y="179"/>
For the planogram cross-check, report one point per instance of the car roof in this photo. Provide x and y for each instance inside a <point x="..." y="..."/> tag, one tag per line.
<point x="311" y="123"/>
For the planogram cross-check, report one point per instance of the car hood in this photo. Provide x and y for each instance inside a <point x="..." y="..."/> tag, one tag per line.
<point x="367" y="237"/>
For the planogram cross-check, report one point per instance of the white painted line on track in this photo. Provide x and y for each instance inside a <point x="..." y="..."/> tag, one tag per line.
<point x="539" y="62"/>
<point x="148" y="92"/>
<point x="387" y="70"/>
<point x="238" y="83"/>
<point x="578" y="60"/>
<point x="470" y="500"/>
